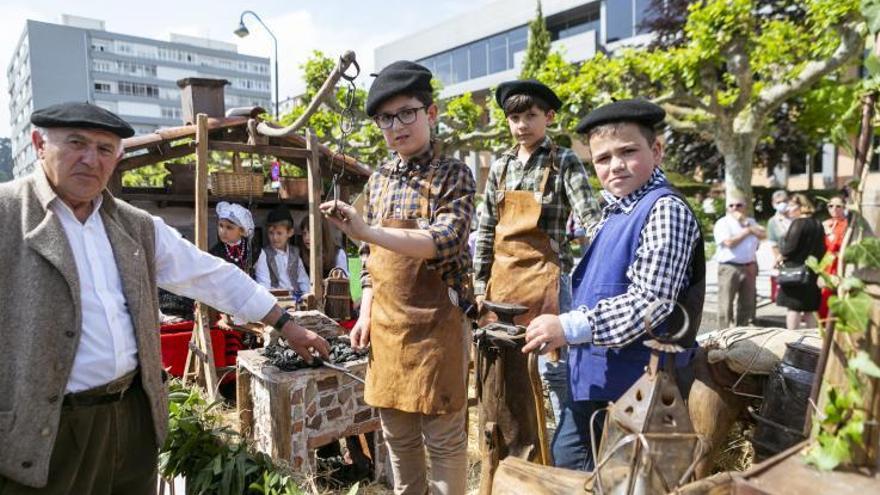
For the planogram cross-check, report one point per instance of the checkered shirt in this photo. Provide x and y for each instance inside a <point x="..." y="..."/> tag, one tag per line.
<point x="567" y="192"/>
<point x="451" y="208"/>
<point x="660" y="271"/>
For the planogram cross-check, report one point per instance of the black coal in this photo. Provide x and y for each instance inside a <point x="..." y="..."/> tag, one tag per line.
<point x="284" y="358"/>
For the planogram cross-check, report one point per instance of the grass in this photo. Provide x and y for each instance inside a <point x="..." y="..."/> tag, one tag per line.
<point x="354" y="277"/>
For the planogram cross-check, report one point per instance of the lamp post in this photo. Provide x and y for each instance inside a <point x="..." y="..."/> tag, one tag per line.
<point x="242" y="31"/>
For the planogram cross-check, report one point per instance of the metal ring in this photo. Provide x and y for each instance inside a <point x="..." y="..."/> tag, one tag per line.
<point x="357" y="71"/>
<point x="667" y="339"/>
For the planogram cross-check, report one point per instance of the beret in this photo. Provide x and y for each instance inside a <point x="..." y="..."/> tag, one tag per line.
<point x="527" y="87"/>
<point x="81" y="115"/>
<point x="637" y="110"/>
<point x="279" y="214"/>
<point x="402" y="76"/>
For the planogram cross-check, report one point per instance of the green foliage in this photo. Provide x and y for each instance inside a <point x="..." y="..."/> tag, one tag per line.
<point x="213" y="458"/>
<point x="842" y="422"/>
<point x="538" y="47"/>
<point x="146" y="176"/>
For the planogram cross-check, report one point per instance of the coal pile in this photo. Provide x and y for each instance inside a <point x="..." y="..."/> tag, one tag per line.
<point x="286" y="359"/>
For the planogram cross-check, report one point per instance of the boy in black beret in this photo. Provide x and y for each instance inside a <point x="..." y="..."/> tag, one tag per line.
<point x="522" y="253"/>
<point x="646" y="251"/>
<point x="415" y="284"/>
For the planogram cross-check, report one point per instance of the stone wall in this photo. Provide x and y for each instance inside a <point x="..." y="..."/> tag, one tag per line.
<point x="295" y="412"/>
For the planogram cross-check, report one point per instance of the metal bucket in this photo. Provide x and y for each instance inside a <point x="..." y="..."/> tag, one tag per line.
<point x="780" y="422"/>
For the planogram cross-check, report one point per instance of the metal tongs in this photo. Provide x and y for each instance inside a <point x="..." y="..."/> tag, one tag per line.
<point x="317" y="362"/>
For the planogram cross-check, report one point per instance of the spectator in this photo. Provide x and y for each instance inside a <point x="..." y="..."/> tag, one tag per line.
<point x="835" y="228"/>
<point x="805" y="238"/>
<point x="777" y="226"/>
<point x="737" y="236"/>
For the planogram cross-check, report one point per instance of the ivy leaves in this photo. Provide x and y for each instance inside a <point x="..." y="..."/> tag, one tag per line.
<point x="842" y="422"/>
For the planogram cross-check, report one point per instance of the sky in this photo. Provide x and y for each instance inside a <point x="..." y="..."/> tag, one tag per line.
<point x="301" y="26"/>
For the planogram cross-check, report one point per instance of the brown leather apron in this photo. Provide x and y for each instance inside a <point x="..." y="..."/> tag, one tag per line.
<point x="525" y="271"/>
<point x="415" y="330"/>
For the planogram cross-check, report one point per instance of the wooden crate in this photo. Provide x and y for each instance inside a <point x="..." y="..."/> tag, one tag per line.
<point x="289" y="414"/>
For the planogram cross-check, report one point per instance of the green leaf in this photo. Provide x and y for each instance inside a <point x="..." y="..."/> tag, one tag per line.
<point x="829" y="452"/>
<point x="865" y="253"/>
<point x="871" y="11"/>
<point x="872" y="64"/>
<point x="852" y="311"/>
<point x="863" y="363"/>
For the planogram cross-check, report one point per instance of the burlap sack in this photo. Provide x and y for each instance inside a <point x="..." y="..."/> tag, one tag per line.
<point x="755" y="350"/>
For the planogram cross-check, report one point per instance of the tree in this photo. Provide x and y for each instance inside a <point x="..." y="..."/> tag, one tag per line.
<point x="538" y="46"/>
<point x="729" y="73"/>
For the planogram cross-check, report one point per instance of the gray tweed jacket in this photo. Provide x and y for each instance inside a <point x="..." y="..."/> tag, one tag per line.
<point x="41" y="318"/>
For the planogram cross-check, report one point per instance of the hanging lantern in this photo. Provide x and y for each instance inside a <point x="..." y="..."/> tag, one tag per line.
<point x="648" y="444"/>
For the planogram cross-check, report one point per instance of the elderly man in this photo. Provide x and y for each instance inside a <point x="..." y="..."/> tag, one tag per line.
<point x="737" y="236"/>
<point x="83" y="406"/>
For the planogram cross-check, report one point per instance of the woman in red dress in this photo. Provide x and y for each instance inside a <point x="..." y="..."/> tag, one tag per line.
<point x="835" y="228"/>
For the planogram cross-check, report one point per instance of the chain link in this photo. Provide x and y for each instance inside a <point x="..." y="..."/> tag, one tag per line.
<point x="346" y="127"/>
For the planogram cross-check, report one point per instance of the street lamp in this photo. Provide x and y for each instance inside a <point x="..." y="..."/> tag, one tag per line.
<point x="242" y="31"/>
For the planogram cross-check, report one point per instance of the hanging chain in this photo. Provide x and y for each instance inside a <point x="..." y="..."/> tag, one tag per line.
<point x="346" y="127"/>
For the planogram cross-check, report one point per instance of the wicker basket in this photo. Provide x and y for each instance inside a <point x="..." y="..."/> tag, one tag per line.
<point x="293" y="188"/>
<point x="242" y="184"/>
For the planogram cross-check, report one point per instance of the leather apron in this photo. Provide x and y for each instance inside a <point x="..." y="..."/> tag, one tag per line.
<point x="525" y="271"/>
<point x="415" y="330"/>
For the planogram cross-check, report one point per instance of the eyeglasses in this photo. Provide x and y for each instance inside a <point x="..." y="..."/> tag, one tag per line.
<point x="735" y="205"/>
<point x="406" y="116"/>
<point x="835" y="206"/>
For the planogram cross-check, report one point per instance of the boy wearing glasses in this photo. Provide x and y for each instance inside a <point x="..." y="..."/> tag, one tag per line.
<point x="415" y="284"/>
<point x="737" y="236"/>
<point x="646" y="247"/>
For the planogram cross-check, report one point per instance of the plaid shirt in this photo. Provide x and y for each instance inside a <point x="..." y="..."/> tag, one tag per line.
<point x="660" y="271"/>
<point x="451" y="209"/>
<point x="567" y="192"/>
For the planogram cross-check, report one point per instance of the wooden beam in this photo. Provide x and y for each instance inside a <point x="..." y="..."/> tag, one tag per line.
<point x="262" y="149"/>
<point x="156" y="157"/>
<point x="201" y="333"/>
<point x="316" y="250"/>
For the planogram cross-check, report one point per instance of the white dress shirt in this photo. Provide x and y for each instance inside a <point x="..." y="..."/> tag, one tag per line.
<point x="261" y="270"/>
<point x="107" y="347"/>
<point x="745" y="252"/>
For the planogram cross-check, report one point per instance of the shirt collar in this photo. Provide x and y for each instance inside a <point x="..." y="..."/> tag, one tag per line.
<point x="628" y="202"/>
<point x="56" y="203"/>
<point x="545" y="144"/>
<point x="418" y="162"/>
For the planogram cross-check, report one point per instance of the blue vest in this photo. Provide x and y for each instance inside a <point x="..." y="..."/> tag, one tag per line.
<point x="604" y="373"/>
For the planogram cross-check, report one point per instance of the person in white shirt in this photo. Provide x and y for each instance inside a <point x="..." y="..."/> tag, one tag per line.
<point x="83" y="407"/>
<point x="737" y="236"/>
<point x="279" y="265"/>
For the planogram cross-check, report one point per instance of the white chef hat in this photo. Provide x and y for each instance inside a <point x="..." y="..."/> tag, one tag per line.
<point x="236" y="214"/>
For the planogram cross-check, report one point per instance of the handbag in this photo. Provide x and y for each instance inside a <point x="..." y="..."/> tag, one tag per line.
<point x="793" y="275"/>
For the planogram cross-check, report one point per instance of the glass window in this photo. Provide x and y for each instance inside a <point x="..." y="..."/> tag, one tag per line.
<point x="643" y="14"/>
<point x="478" y="53"/>
<point x="618" y="19"/>
<point x="517" y="40"/>
<point x="497" y="53"/>
<point x="460" y="64"/>
<point x="103" y="87"/>
<point x="444" y="68"/>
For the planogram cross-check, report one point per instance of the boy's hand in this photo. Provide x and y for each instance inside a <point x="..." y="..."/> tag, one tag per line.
<point x="544" y="329"/>
<point x="360" y="334"/>
<point x="345" y="218"/>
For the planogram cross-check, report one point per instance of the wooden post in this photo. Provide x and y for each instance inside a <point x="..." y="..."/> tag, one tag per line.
<point x="316" y="258"/>
<point x="201" y="336"/>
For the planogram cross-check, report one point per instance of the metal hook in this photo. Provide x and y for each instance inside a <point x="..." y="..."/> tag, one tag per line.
<point x="669" y="337"/>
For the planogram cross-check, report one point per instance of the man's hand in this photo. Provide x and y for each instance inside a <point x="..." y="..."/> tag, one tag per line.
<point x="360" y="334"/>
<point x="544" y="329"/>
<point x="303" y="341"/>
<point x="345" y="218"/>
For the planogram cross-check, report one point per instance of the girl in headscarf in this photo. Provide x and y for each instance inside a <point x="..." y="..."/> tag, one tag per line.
<point x="235" y="226"/>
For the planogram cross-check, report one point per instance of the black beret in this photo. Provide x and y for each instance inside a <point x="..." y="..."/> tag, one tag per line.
<point x="81" y="115"/>
<point x="527" y="87"/>
<point x="399" y="77"/>
<point x="278" y="215"/>
<point x="638" y="111"/>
